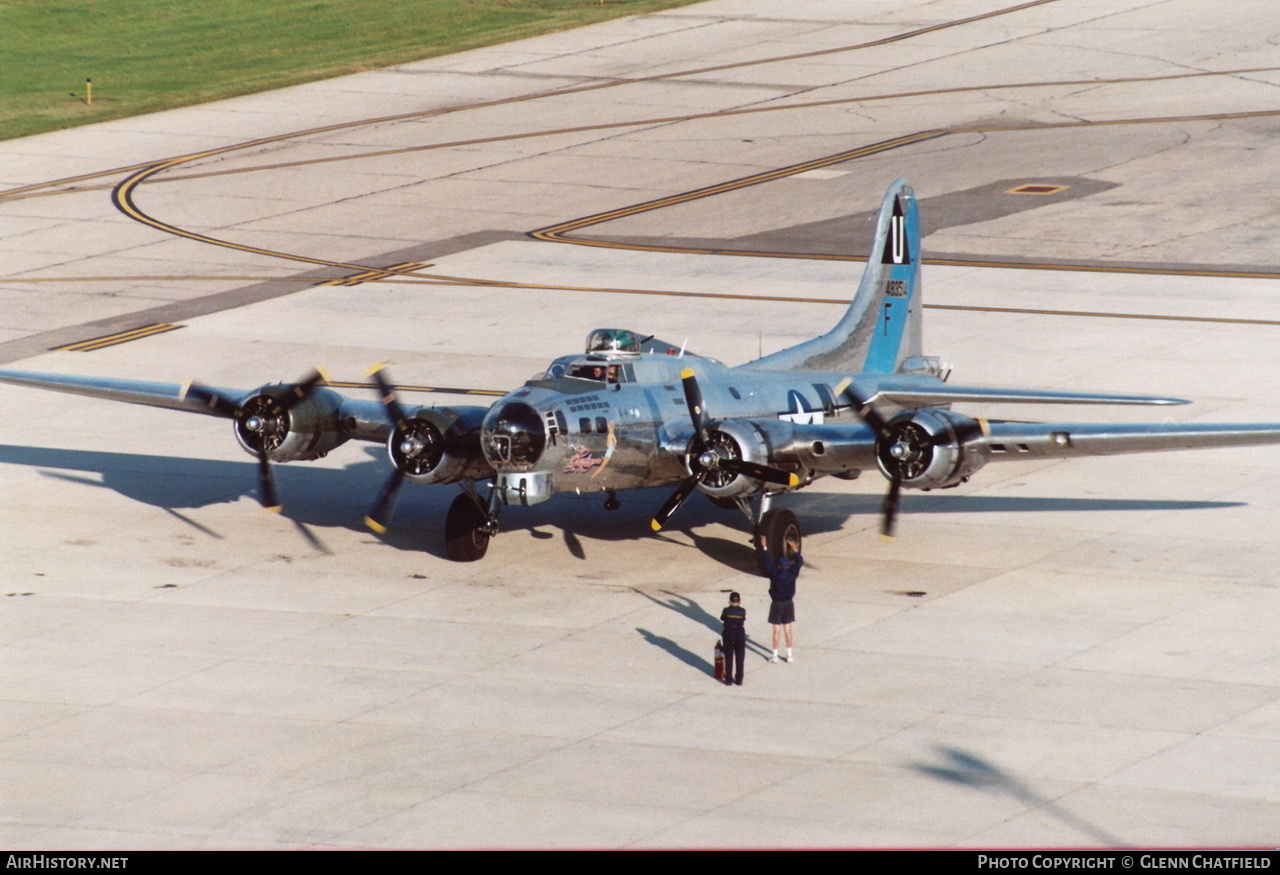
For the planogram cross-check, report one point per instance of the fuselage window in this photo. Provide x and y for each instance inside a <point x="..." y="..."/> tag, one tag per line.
<point x="584" y="425"/>
<point x="602" y="424"/>
<point x="561" y="422"/>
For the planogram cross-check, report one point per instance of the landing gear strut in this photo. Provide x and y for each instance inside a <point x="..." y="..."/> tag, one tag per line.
<point x="468" y="526"/>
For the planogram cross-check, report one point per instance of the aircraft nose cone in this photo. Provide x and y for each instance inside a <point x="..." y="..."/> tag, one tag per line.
<point x="514" y="435"/>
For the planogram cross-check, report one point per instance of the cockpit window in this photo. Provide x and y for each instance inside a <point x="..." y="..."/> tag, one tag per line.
<point x="589" y="372"/>
<point x="615" y="340"/>
<point x="601" y="371"/>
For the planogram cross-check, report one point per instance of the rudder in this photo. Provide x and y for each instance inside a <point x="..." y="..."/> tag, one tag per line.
<point x="883" y="323"/>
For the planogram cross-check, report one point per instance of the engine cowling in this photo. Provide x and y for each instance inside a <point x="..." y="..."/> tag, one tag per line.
<point x="742" y="440"/>
<point x="931" y="449"/>
<point x="439" y="445"/>
<point x="306" y="430"/>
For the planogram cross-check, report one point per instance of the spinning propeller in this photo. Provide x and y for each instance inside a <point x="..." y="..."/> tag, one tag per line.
<point x="415" y="446"/>
<point x="904" y="447"/>
<point x="712" y="457"/>
<point x="380" y="516"/>
<point x="262" y="422"/>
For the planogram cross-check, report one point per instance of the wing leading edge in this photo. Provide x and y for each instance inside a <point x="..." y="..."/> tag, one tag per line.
<point x="169" y="395"/>
<point x="1011" y="440"/>
<point x="934" y="448"/>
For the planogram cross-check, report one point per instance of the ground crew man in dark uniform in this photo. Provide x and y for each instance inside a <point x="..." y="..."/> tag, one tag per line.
<point x="734" y="618"/>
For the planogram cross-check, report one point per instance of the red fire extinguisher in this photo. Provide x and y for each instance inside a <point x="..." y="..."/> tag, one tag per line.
<point x="719" y="660"/>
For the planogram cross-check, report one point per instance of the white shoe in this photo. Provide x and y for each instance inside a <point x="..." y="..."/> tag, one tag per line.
<point x="773" y="658"/>
<point x="791" y="657"/>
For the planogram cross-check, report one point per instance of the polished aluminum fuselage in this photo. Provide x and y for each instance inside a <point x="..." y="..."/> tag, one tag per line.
<point x="633" y="432"/>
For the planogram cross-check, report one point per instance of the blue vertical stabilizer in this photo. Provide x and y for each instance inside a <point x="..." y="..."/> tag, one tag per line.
<point x="882" y="325"/>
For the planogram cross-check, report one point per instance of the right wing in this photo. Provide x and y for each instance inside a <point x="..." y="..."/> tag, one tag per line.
<point x="169" y="395"/>
<point x="285" y="422"/>
<point x="363" y="420"/>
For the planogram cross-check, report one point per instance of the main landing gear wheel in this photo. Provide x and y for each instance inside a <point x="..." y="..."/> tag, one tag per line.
<point x="777" y="527"/>
<point x="466" y="537"/>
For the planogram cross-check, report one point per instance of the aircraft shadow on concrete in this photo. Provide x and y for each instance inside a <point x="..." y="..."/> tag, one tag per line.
<point x="328" y="497"/>
<point x="956" y="766"/>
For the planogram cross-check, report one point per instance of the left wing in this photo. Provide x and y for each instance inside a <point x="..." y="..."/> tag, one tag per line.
<point x="937" y="448"/>
<point x="933" y="448"/>
<point x="1045" y="440"/>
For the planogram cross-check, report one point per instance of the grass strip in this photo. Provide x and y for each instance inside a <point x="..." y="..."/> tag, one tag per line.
<point x="149" y="55"/>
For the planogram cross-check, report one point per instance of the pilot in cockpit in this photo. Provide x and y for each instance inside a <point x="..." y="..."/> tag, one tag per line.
<point x="588" y="372"/>
<point x="599" y="372"/>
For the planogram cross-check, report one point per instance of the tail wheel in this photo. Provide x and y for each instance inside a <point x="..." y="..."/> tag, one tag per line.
<point x="466" y="537"/>
<point x="777" y="527"/>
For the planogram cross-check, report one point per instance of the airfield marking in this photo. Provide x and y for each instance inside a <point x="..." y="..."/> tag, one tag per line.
<point x="574" y="89"/>
<point x="34" y="190"/>
<point x="559" y="233"/>
<point x="555" y="233"/>
<point x="119" y="337"/>
<point x="375" y="274"/>
<point x="133" y="278"/>
<point x="122" y="195"/>
<point x="1102" y="314"/>
<point x="840" y="302"/>
<point x="728" y="296"/>
<point x="1036" y="188"/>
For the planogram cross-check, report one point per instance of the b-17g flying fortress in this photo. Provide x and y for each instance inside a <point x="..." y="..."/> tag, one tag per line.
<point x="602" y="421"/>
<point x="1058" y="652"/>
